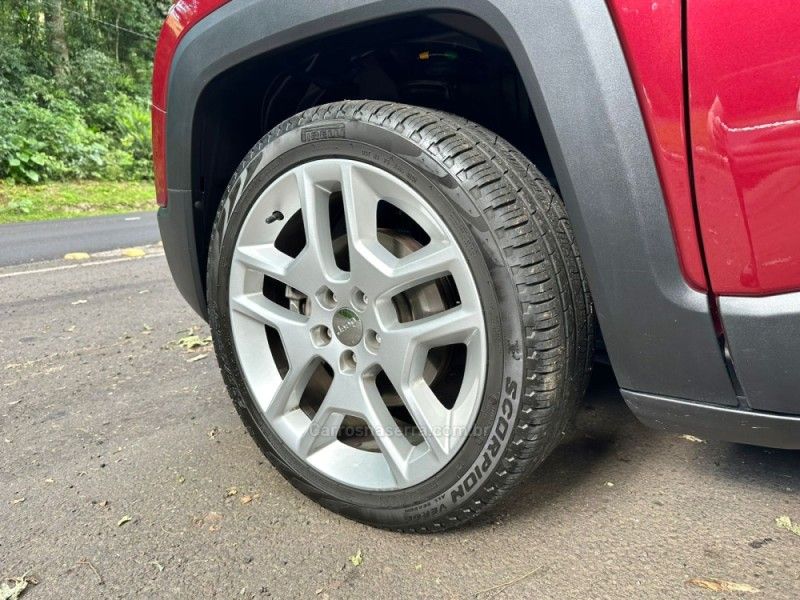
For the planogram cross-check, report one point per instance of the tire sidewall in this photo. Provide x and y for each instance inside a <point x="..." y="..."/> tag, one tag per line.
<point x="453" y="487"/>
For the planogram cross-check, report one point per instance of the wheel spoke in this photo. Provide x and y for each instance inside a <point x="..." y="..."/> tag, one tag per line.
<point x="361" y="216"/>
<point x="288" y="393"/>
<point x="453" y="326"/>
<point x="430" y="262"/>
<point x="410" y="342"/>
<point x="432" y="419"/>
<point x="341" y="399"/>
<point x="321" y="431"/>
<point x="318" y="254"/>
<point x="268" y="260"/>
<point x="391" y="440"/>
<point x="255" y="306"/>
<point x="361" y="207"/>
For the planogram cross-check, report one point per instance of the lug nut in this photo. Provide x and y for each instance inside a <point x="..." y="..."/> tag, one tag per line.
<point x="359" y="299"/>
<point x="321" y="335"/>
<point x="372" y="340"/>
<point x="347" y="361"/>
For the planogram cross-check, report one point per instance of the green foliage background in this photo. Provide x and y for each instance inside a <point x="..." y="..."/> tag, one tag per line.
<point x="75" y="87"/>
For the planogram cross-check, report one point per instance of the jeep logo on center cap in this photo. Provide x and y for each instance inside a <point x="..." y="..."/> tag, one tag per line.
<point x="347" y="327"/>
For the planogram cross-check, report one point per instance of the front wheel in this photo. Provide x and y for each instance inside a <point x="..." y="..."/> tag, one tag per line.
<point x="399" y="311"/>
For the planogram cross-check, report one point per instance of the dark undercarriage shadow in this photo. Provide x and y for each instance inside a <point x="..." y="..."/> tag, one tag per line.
<point x="763" y="466"/>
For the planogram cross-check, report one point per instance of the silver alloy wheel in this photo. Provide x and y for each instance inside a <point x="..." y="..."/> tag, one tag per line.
<point x="348" y="320"/>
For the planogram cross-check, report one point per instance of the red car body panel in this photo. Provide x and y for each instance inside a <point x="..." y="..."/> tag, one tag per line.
<point x="650" y="33"/>
<point x="181" y="17"/>
<point x="744" y="84"/>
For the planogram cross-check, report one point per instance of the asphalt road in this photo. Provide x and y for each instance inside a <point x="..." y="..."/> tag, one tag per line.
<point x="126" y="455"/>
<point x="46" y="240"/>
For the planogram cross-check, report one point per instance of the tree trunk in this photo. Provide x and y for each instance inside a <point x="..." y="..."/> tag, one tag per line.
<point x="58" y="38"/>
<point x="116" y="44"/>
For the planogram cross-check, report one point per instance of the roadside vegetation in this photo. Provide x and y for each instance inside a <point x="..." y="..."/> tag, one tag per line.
<point x="74" y="106"/>
<point x="64" y="200"/>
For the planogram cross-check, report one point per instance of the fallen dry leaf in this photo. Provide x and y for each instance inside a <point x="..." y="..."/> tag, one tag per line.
<point x="196" y="358"/>
<point x="190" y="342"/>
<point x="212" y="519"/>
<point x="720" y="585"/>
<point x="18" y="501"/>
<point x="231" y="491"/>
<point x="123" y="520"/>
<point x="78" y="302"/>
<point x="786" y="523"/>
<point x="356" y="559"/>
<point x="691" y="438"/>
<point x="16" y="587"/>
<point x="246" y="499"/>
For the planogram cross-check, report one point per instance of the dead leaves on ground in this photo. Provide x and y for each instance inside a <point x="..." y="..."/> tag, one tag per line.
<point x="356" y="559"/>
<point x="243" y="498"/>
<point x="199" y="346"/>
<point x="124" y="520"/>
<point x="12" y="588"/>
<point x="194" y="342"/>
<point x="211" y="520"/>
<point x="786" y="523"/>
<point x="720" y="585"/>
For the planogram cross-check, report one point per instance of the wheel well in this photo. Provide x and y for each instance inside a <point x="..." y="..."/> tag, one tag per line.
<point x="449" y="61"/>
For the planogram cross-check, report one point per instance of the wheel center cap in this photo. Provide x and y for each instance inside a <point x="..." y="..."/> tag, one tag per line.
<point x="347" y="327"/>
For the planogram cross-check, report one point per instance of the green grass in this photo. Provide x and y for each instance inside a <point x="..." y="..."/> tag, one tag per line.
<point x="65" y="200"/>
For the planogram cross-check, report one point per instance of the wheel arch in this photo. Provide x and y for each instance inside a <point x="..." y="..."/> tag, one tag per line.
<point x="571" y="64"/>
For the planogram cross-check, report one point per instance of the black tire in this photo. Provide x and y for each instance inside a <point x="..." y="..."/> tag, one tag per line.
<point x="514" y="231"/>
